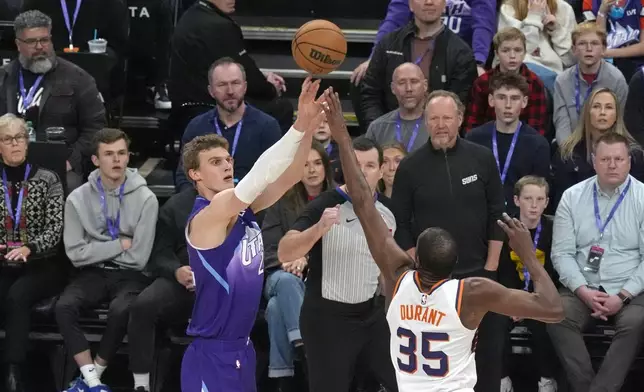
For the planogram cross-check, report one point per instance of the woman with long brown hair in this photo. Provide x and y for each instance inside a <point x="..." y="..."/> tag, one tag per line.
<point x="572" y="162"/>
<point x="284" y="288"/>
<point x="393" y="154"/>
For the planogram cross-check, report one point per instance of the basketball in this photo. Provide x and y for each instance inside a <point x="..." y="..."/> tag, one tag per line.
<point x="319" y="47"/>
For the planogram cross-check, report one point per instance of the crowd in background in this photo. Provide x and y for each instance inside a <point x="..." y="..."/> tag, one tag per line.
<point x="543" y="117"/>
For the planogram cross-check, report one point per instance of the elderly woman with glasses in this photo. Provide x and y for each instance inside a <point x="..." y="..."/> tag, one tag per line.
<point x="31" y="227"/>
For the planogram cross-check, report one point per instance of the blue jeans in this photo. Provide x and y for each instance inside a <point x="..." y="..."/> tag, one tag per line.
<point x="546" y="75"/>
<point x="285" y="293"/>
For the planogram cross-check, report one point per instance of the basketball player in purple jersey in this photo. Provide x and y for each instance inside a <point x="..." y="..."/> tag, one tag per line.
<point x="226" y="251"/>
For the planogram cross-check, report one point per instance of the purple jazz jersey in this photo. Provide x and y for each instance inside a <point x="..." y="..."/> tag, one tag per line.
<point x="228" y="287"/>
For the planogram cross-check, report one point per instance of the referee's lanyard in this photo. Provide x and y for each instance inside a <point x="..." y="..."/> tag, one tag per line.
<point x="578" y="102"/>
<point x="235" y="138"/>
<point x="526" y="273"/>
<point x="508" y="158"/>
<point x="412" y="139"/>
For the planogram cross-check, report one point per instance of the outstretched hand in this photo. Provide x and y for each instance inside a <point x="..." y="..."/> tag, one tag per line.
<point x="334" y="116"/>
<point x="309" y="110"/>
<point x="518" y="234"/>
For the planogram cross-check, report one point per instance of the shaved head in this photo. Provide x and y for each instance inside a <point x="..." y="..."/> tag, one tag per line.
<point x="409" y="85"/>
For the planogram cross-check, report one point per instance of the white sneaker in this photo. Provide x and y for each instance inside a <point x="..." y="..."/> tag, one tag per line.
<point x="547" y="385"/>
<point x="506" y="385"/>
<point x="161" y="99"/>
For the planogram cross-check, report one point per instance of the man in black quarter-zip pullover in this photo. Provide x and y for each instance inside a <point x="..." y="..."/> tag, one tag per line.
<point x="454" y="184"/>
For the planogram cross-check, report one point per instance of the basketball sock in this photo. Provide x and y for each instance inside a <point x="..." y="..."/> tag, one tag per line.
<point x="142" y="380"/>
<point x="90" y="375"/>
<point x="99" y="369"/>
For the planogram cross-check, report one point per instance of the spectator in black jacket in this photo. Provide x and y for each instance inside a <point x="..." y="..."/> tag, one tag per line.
<point x="284" y="288"/>
<point x="171" y="296"/>
<point x="56" y="92"/>
<point x="204" y="34"/>
<point x="454" y="184"/>
<point x="572" y="163"/>
<point x="519" y="150"/>
<point x="446" y="60"/>
<point x="634" y="110"/>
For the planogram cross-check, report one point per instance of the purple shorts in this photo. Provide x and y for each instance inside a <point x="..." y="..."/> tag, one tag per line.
<point x="219" y="366"/>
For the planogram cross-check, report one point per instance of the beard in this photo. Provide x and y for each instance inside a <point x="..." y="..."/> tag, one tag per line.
<point x="230" y="108"/>
<point x="40" y="65"/>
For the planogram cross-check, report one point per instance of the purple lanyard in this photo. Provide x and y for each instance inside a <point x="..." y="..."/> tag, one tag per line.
<point x="508" y="158"/>
<point x="113" y="225"/>
<point x="578" y="104"/>
<point x="430" y="48"/>
<point x="28" y="97"/>
<point x="598" y="218"/>
<point x="70" y="26"/>
<point x="412" y="139"/>
<point x="535" y="242"/>
<point x="15" y="215"/>
<point x="328" y="149"/>
<point x="237" y="132"/>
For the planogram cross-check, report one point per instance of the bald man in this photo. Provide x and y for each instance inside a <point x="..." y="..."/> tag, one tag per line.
<point x="406" y="124"/>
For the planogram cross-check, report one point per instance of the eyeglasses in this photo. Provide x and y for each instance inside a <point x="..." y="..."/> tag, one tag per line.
<point x="44" y="41"/>
<point x="584" y="44"/>
<point x="20" y="138"/>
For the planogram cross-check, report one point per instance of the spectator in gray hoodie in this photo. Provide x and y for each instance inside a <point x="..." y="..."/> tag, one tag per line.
<point x="108" y="234"/>
<point x="574" y="85"/>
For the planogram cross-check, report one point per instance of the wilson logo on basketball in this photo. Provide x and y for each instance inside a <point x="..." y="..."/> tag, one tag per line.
<point x="322" y="57"/>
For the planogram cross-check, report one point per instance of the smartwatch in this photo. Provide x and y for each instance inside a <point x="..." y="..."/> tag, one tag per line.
<point x="625" y="299"/>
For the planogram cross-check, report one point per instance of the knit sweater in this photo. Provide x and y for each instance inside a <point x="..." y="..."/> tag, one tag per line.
<point x="550" y="50"/>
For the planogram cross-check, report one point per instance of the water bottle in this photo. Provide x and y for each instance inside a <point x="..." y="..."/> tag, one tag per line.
<point x="31" y="131"/>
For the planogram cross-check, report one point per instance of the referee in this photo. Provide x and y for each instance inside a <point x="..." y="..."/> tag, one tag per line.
<point x="341" y="322"/>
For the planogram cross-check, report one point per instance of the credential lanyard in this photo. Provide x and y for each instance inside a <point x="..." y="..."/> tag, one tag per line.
<point x="15" y="215"/>
<point x="508" y="158"/>
<point x="28" y="97"/>
<point x="328" y="149"/>
<point x="598" y="218"/>
<point x="430" y="48"/>
<point x="578" y="103"/>
<point x="237" y="133"/>
<point x="414" y="134"/>
<point x="68" y="24"/>
<point x="526" y="273"/>
<point x="112" y="224"/>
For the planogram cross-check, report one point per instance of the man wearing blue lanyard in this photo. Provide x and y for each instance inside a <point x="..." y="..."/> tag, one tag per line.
<point x="406" y="124"/>
<point x="108" y="234"/>
<point x="249" y="131"/>
<point x="573" y="86"/>
<point x="30" y="88"/>
<point x="519" y="150"/>
<point x="598" y="251"/>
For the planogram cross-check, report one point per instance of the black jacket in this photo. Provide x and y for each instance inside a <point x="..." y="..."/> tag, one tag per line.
<point x="453" y="68"/>
<point x="169" y="251"/>
<point x="458" y="190"/>
<point x="531" y="155"/>
<point x="278" y="220"/>
<point x="70" y="99"/>
<point x="203" y="35"/>
<point x="634" y="110"/>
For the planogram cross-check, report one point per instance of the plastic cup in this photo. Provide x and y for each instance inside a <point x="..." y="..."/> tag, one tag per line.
<point x="97" y="45"/>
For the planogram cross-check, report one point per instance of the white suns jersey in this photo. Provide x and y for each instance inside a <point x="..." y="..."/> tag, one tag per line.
<point x="430" y="348"/>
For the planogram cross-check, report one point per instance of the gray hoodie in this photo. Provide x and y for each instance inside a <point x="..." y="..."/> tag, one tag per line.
<point x="87" y="240"/>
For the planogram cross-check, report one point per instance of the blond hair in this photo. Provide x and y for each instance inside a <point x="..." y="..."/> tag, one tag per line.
<point x="530" y="180"/>
<point x="10" y="121"/>
<point x="582" y="130"/>
<point x="191" y="151"/>
<point x="588" y="27"/>
<point x="521" y="8"/>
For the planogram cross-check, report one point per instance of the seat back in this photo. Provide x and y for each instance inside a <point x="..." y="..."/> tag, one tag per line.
<point x="52" y="156"/>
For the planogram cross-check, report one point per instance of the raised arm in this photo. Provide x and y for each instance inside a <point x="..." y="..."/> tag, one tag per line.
<point x="271" y="165"/>
<point x="483" y="295"/>
<point x="391" y="260"/>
